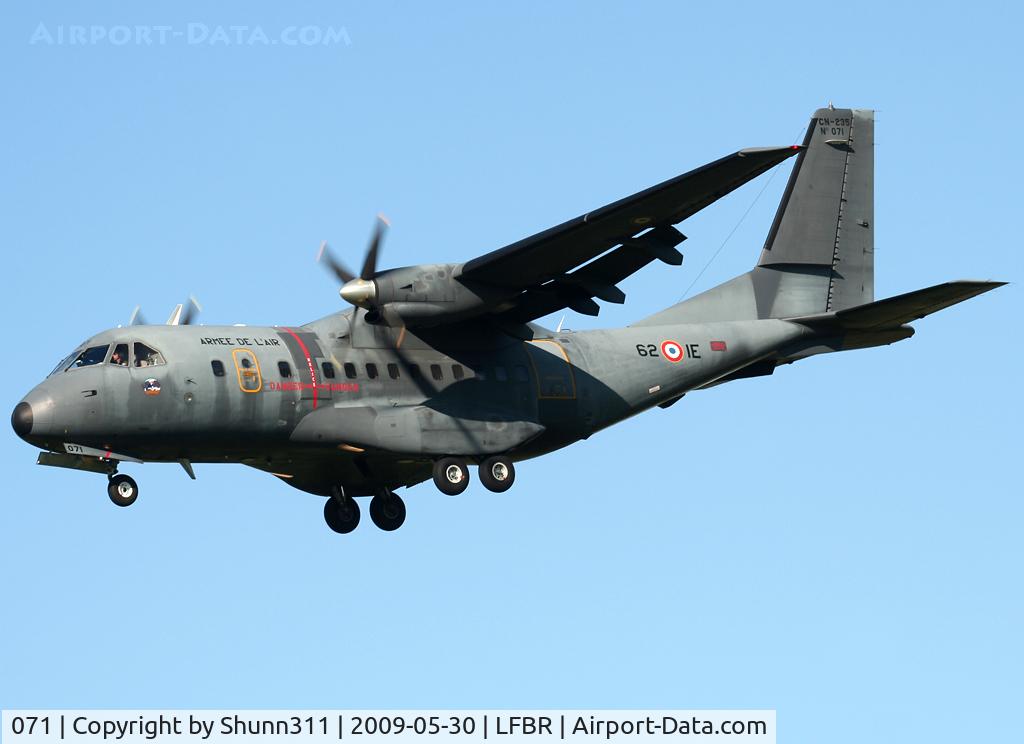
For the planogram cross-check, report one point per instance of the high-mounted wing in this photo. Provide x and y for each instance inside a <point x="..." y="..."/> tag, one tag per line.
<point x="640" y="225"/>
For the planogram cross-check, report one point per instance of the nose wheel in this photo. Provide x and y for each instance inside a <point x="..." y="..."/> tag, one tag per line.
<point x="122" y="490"/>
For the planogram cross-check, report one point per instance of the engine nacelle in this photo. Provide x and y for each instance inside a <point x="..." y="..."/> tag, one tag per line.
<point x="423" y="294"/>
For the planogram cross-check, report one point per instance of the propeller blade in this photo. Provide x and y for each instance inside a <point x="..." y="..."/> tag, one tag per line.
<point x="136" y="317"/>
<point x="370" y="263"/>
<point x="334" y="265"/>
<point x="191" y="311"/>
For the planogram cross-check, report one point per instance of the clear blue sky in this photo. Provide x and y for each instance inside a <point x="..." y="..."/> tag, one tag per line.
<point x="841" y="541"/>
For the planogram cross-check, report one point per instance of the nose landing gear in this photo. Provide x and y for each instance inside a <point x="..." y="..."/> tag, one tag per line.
<point x="122" y="489"/>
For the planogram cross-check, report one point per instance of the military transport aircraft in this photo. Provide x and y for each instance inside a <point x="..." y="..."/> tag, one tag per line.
<point x="439" y="366"/>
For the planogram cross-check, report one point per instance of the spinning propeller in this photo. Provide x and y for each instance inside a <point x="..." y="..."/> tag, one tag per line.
<point x="361" y="290"/>
<point x="358" y="290"/>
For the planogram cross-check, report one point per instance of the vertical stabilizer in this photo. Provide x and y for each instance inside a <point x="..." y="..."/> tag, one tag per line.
<point x="826" y="217"/>
<point x="819" y="256"/>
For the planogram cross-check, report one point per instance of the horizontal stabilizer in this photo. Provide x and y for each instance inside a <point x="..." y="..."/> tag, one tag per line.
<point x="896" y="311"/>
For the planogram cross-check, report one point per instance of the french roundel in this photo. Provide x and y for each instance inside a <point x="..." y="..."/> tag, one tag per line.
<point x="672" y="351"/>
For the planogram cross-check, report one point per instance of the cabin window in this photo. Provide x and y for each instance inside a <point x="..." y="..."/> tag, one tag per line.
<point x="414" y="371"/>
<point x="284" y="369"/>
<point x="371" y="371"/>
<point x="218" y="368"/>
<point x="328" y="370"/>
<point x="435" y="371"/>
<point x="350" y="370"/>
<point x="457" y="372"/>
<point x="146" y="356"/>
<point x="120" y="356"/>
<point x="500" y="374"/>
<point x="393" y="371"/>
<point x="521" y="374"/>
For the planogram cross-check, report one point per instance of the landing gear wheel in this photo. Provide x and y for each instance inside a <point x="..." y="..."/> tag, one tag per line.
<point x="341" y="516"/>
<point x="123" y="490"/>
<point x="497" y="474"/>
<point x="451" y="476"/>
<point x="387" y="510"/>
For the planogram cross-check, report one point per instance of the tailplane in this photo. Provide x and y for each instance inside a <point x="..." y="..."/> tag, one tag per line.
<point x="893" y="312"/>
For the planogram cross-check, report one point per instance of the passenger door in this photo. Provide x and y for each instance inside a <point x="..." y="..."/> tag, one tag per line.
<point x="554" y="380"/>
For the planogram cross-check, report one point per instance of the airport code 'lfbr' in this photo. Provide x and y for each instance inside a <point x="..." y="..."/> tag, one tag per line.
<point x="369" y="726"/>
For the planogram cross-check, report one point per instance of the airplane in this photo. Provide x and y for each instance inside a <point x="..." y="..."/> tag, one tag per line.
<point x="437" y="367"/>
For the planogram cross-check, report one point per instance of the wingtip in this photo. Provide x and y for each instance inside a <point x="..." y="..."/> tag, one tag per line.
<point x="786" y="151"/>
<point x="987" y="283"/>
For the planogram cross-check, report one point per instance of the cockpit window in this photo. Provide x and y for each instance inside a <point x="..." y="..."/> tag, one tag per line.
<point x="120" y="356"/>
<point x="147" y="357"/>
<point x="64" y="363"/>
<point x="92" y="355"/>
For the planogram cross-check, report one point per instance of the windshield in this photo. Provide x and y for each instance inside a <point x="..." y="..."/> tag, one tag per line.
<point x="92" y="355"/>
<point x="64" y="363"/>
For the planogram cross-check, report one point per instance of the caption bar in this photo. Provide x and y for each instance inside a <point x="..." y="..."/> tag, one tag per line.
<point x="307" y="726"/>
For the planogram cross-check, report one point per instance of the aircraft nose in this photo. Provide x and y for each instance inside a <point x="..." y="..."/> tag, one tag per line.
<point x="21" y="419"/>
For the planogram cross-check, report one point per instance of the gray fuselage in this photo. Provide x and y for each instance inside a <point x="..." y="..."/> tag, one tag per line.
<point x="341" y="401"/>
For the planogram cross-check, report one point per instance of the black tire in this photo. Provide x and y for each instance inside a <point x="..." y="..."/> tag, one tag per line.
<point x="341" y="516"/>
<point x="451" y="475"/>
<point x="387" y="511"/>
<point x="123" y="490"/>
<point x="497" y="474"/>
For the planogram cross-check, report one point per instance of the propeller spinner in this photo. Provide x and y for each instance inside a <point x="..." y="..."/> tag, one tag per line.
<point x="358" y="290"/>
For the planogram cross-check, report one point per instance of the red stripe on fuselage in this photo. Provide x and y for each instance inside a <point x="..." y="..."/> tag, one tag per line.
<point x="309" y="362"/>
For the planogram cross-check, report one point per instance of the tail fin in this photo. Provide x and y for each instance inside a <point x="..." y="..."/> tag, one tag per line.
<point x="826" y="217"/>
<point x="820" y="252"/>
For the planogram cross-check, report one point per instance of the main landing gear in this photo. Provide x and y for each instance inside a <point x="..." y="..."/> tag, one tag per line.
<point x="387" y="510"/>
<point x="497" y="473"/>
<point x="451" y="474"/>
<point x="122" y="489"/>
<point x="341" y="512"/>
